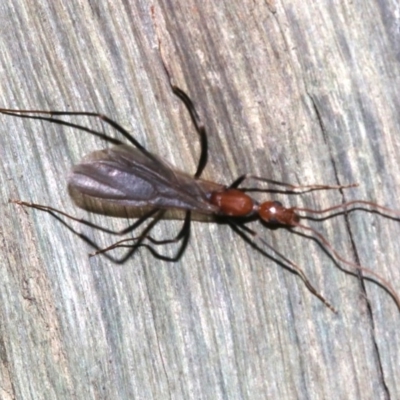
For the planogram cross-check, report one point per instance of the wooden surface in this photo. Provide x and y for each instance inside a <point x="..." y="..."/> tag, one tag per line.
<point x="295" y="91"/>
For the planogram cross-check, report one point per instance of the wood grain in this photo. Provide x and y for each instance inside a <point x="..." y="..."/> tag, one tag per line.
<point x="298" y="92"/>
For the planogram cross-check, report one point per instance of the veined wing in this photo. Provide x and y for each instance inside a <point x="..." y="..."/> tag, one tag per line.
<point x="125" y="175"/>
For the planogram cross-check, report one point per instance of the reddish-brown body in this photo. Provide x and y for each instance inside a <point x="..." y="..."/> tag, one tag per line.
<point x="236" y="203"/>
<point x="233" y="203"/>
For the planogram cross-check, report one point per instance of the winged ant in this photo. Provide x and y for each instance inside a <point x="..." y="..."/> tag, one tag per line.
<point x="128" y="175"/>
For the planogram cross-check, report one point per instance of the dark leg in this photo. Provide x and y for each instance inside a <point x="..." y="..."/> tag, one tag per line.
<point x="109" y="121"/>
<point x="244" y="232"/>
<point x="159" y="214"/>
<point x="196" y="122"/>
<point x="183" y="235"/>
<point x="24" y="114"/>
<point x="53" y="211"/>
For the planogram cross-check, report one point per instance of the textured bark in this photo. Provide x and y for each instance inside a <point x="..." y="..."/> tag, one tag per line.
<point x="294" y="91"/>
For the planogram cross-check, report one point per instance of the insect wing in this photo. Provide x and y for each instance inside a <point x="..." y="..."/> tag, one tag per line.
<point x="125" y="175"/>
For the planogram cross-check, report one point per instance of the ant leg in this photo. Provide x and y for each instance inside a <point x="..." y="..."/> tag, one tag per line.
<point x="303" y="188"/>
<point x="345" y="207"/>
<point x="240" y="229"/>
<point x="363" y="273"/>
<point x="196" y="122"/>
<point x="159" y="214"/>
<point x="107" y="120"/>
<point x="23" y="114"/>
<point x="183" y="235"/>
<point x="53" y="211"/>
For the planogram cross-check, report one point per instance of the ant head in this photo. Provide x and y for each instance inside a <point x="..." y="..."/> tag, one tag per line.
<point x="273" y="212"/>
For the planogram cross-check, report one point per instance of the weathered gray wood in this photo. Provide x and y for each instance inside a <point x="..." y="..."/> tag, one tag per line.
<point x="299" y="92"/>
